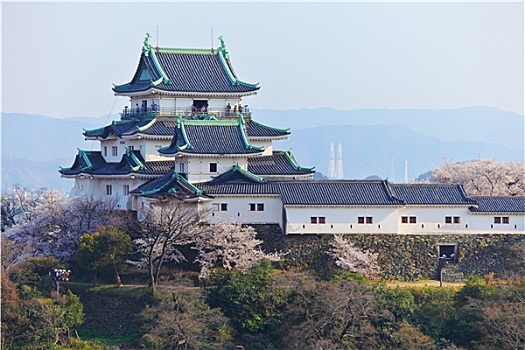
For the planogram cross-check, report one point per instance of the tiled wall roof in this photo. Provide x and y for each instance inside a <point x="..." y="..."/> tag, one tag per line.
<point x="486" y="204"/>
<point x="431" y="194"/>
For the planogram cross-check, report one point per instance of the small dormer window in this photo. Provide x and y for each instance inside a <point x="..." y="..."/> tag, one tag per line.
<point x="213" y="167"/>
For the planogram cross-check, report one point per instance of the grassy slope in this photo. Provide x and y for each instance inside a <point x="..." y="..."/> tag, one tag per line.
<point x="111" y="313"/>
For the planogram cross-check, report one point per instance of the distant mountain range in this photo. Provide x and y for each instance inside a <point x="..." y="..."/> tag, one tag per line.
<point x="374" y="141"/>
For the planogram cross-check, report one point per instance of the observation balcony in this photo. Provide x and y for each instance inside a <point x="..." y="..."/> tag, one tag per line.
<point x="166" y="112"/>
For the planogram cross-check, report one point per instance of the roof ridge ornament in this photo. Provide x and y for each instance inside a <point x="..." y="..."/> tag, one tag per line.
<point x="146" y="46"/>
<point x="223" y="47"/>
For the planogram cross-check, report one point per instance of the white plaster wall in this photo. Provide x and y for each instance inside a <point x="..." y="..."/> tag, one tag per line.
<point x="166" y="102"/>
<point x="340" y="220"/>
<point x="149" y="149"/>
<point x="484" y="223"/>
<point x="239" y="210"/>
<point x="109" y="144"/>
<point x="183" y="103"/>
<point x="267" y="144"/>
<point x="97" y="188"/>
<point x="216" y="104"/>
<point x="199" y="167"/>
<point x="431" y="220"/>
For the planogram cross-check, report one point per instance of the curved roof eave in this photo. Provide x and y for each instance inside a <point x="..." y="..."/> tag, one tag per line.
<point x="151" y="90"/>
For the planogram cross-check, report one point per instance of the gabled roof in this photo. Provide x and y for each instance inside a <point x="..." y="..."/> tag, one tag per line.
<point x="219" y="137"/>
<point x="280" y="163"/>
<point x="185" y="70"/>
<point x="236" y="175"/>
<point x="93" y="163"/>
<point x="120" y="128"/>
<point x="337" y="192"/>
<point x="258" y="130"/>
<point x="170" y="184"/>
<point x="431" y="194"/>
<point x="85" y="162"/>
<point x="489" y="204"/>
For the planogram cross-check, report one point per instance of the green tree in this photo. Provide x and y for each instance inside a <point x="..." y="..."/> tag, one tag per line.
<point x="32" y="321"/>
<point x="248" y="297"/>
<point x="106" y="248"/>
<point x="399" y="302"/>
<point x="34" y="272"/>
<point x="435" y="309"/>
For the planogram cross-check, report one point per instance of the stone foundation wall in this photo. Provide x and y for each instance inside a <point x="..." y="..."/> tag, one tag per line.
<point x="403" y="257"/>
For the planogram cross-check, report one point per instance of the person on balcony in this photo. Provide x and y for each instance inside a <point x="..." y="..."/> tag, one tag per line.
<point x="240" y="108"/>
<point x="228" y="109"/>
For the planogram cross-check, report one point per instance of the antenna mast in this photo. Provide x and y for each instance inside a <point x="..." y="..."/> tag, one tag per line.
<point x="331" y="162"/>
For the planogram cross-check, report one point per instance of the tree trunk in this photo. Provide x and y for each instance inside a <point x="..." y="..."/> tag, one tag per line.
<point x="117" y="277"/>
<point x="152" y="282"/>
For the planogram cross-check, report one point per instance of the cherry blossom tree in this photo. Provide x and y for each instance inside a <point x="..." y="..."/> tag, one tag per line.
<point x="483" y="177"/>
<point x="167" y="225"/>
<point x="54" y="225"/>
<point x="13" y="253"/>
<point x="348" y="257"/>
<point x="229" y="246"/>
<point x="20" y="204"/>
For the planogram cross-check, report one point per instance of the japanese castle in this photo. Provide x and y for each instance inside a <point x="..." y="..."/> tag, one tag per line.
<point x="187" y="134"/>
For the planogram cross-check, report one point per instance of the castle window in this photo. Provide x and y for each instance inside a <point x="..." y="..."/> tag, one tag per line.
<point x="105" y="151"/>
<point x="404" y="219"/>
<point x="313" y="220"/>
<point x="213" y="167"/>
<point x="122" y="142"/>
<point x="412" y="219"/>
<point x="131" y="148"/>
<point x="448" y="219"/>
<point x="224" y="206"/>
<point x="256" y="206"/>
<point x="109" y="190"/>
<point x="322" y="220"/>
<point x="114" y="151"/>
<point x="126" y="190"/>
<point x="505" y="219"/>
<point x="497" y="219"/>
<point x="363" y="219"/>
<point x="456" y="220"/>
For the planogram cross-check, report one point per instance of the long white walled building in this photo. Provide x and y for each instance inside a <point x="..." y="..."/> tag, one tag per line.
<point x="186" y="133"/>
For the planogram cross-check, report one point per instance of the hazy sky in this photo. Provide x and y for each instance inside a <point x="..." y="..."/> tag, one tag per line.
<point x="61" y="59"/>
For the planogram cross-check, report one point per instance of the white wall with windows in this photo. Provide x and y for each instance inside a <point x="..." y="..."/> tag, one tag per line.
<point x="340" y="220"/>
<point x="498" y="223"/>
<point x="433" y="219"/>
<point x="202" y="169"/>
<point x="244" y="210"/>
